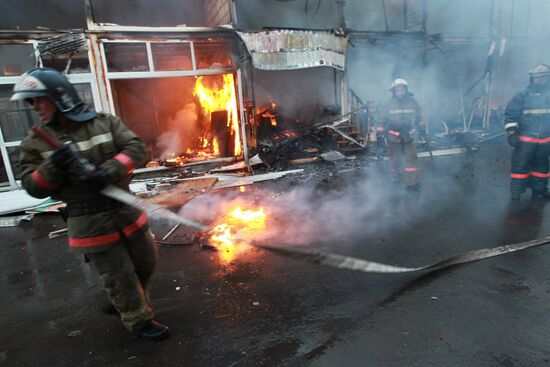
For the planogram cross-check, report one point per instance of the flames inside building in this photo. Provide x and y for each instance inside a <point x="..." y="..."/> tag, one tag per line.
<point x="182" y="118"/>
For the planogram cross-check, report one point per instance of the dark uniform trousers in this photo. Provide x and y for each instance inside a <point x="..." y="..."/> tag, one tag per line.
<point x="530" y="164"/>
<point x="399" y="150"/>
<point x="125" y="271"/>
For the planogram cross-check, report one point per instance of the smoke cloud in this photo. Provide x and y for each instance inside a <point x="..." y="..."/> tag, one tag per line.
<point x="366" y="204"/>
<point x="183" y="130"/>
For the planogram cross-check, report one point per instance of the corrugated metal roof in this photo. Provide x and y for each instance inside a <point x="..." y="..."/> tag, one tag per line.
<point x="287" y="50"/>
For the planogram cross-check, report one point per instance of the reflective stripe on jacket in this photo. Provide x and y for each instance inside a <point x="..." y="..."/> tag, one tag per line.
<point x="107" y="143"/>
<point x="529" y="113"/>
<point x="400" y="115"/>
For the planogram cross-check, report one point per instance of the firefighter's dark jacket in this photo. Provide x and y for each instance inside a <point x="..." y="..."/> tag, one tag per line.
<point x="400" y="116"/>
<point x="529" y="112"/>
<point x="107" y="143"/>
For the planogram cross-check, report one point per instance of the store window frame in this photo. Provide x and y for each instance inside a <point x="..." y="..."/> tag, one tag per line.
<point x="79" y="78"/>
<point x="153" y="73"/>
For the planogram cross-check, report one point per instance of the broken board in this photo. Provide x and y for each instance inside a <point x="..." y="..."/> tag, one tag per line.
<point x="183" y="192"/>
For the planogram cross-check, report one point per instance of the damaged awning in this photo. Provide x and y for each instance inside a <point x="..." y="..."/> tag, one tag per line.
<point x="288" y="50"/>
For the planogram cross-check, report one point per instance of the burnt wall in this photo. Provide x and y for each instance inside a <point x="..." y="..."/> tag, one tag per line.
<point x="64" y="14"/>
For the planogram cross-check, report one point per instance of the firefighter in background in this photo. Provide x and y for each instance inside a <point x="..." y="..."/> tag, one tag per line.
<point x="400" y="119"/>
<point x="527" y="124"/>
<point x="114" y="237"/>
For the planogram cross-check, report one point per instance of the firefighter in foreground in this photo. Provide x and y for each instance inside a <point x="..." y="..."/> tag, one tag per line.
<point x="527" y="124"/>
<point x="399" y="119"/>
<point x="114" y="237"/>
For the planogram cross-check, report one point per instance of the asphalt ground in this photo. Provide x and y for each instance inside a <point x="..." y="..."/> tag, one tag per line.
<point x="255" y="308"/>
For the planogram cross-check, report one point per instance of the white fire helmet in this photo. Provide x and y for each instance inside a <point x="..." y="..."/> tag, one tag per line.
<point x="399" y="82"/>
<point x="540" y="70"/>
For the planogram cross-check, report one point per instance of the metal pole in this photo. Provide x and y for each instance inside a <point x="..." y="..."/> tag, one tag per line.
<point x="486" y="109"/>
<point x="344" y="92"/>
<point x="405" y="15"/>
<point x="241" y="115"/>
<point x="89" y="11"/>
<point x="425" y="31"/>
<point x="385" y="15"/>
<point x="340" y="4"/>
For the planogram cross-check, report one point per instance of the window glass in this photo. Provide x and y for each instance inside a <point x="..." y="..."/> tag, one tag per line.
<point x="13" y="155"/>
<point x="16" y="59"/>
<point x="171" y="56"/>
<point x="126" y="57"/>
<point x="4" y="182"/>
<point x="84" y="90"/>
<point x="15" y="117"/>
<point x="213" y="54"/>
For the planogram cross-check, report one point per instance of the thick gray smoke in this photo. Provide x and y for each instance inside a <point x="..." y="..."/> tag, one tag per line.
<point x="364" y="205"/>
<point x="440" y="70"/>
<point x="304" y="215"/>
<point x="182" y="132"/>
<point x="448" y="65"/>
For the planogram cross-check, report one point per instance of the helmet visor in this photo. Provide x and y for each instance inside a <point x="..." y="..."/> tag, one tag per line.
<point x="26" y="95"/>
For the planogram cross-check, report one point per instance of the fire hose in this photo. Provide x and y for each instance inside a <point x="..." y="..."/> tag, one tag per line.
<point x="352" y="263"/>
<point x="116" y="193"/>
<point x="311" y="256"/>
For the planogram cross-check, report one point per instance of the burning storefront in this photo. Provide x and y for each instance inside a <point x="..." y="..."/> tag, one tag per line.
<point x="191" y="93"/>
<point x="179" y="92"/>
<point x="178" y="89"/>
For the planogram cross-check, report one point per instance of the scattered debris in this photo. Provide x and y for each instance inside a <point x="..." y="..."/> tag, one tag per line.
<point x="15" y="220"/>
<point x="303" y="160"/>
<point x="17" y="201"/>
<point x="74" y="333"/>
<point x="225" y="181"/>
<point x="254" y="161"/>
<point x="177" y="235"/>
<point x="333" y="156"/>
<point x="58" y="233"/>
<point x="49" y="206"/>
<point x="442" y="152"/>
<point x="182" y="191"/>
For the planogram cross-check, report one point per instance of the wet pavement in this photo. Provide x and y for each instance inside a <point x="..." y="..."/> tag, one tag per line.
<point x="259" y="309"/>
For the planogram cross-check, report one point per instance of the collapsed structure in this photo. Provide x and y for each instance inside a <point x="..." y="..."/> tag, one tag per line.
<point x="286" y="88"/>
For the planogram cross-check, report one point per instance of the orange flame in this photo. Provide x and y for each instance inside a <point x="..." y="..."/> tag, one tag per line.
<point x="235" y="228"/>
<point x="272" y="117"/>
<point x="215" y="147"/>
<point x="221" y="99"/>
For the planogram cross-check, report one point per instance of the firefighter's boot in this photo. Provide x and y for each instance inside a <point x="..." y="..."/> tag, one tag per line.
<point x="154" y="331"/>
<point x="109" y="309"/>
<point x="541" y="195"/>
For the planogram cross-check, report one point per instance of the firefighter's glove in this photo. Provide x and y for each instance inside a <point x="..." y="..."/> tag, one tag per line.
<point x="422" y="135"/>
<point x="96" y="181"/>
<point x="64" y="157"/>
<point x="512" y="137"/>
